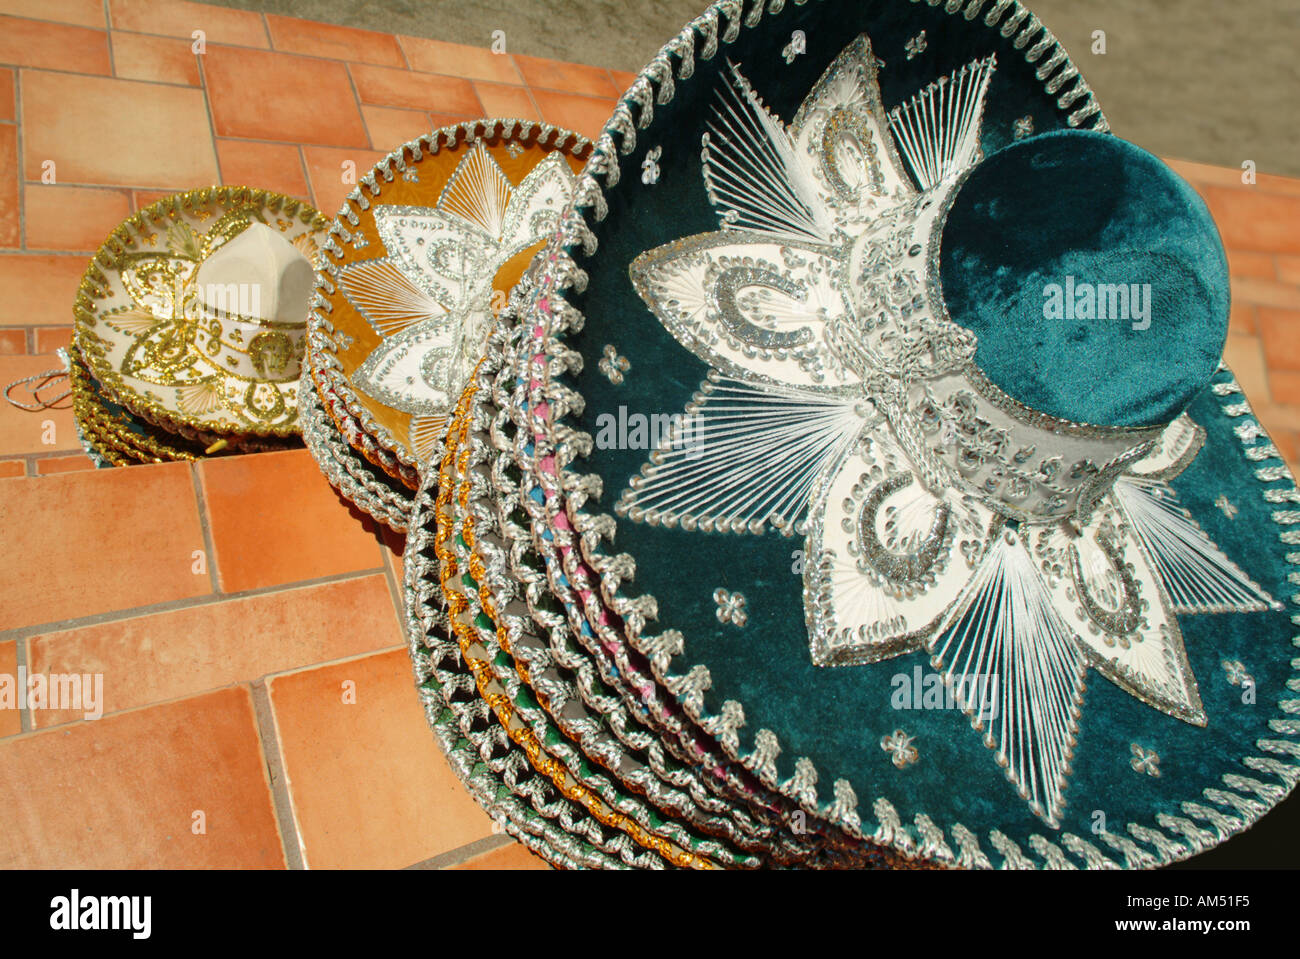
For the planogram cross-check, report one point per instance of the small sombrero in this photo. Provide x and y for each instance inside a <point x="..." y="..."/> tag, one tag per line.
<point x="192" y="316"/>
<point x="419" y="261"/>
<point x="896" y="381"/>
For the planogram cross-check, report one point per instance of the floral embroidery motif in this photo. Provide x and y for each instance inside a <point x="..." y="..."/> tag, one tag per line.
<point x="1145" y="761"/>
<point x="915" y="46"/>
<point x="899" y="746"/>
<point x="731" y="607"/>
<point x="1023" y="127"/>
<point x="814" y="304"/>
<point x="613" y="365"/>
<point x="1226" y="507"/>
<point x="650" y="166"/>
<point x="1236" y="673"/>
<point x="797" y="45"/>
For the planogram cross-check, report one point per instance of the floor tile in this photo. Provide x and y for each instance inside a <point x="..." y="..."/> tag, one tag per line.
<point x="1288" y="269"/>
<point x="459" y="60"/>
<point x="340" y="43"/>
<point x="146" y="134"/>
<point x="370" y="786"/>
<point x="161" y="59"/>
<point x="83" y="13"/>
<point x="585" y="115"/>
<point x="13" y="342"/>
<point x="394" y="544"/>
<point x="1285" y="386"/>
<point x="51" y="338"/>
<point x="1241" y="318"/>
<point x="54" y="46"/>
<point x="622" y="79"/>
<point x="11" y="720"/>
<point x="1280" y="331"/>
<point x="500" y="100"/>
<point x="63" y="464"/>
<point x="8" y="106"/>
<point x="279" y="96"/>
<point x="514" y="856"/>
<point x="10" y="234"/>
<point x="271" y="166"/>
<point x="33" y="431"/>
<point x="1254" y="220"/>
<point x="123" y="792"/>
<point x="566" y="77"/>
<point x="106" y="541"/>
<point x="1244" y="263"/>
<point x="390" y="127"/>
<point x="178" y="19"/>
<point x="275" y="519"/>
<point x="39" y="288"/>
<point x="163" y="656"/>
<point x="13" y="469"/>
<point x="70" y="217"/>
<point x="335" y="173"/>
<point x="1245" y="357"/>
<point x="383" y="87"/>
<point x="1248" y="289"/>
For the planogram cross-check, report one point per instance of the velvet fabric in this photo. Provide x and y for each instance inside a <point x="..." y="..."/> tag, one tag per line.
<point x="837" y="716"/>
<point x="1033" y="240"/>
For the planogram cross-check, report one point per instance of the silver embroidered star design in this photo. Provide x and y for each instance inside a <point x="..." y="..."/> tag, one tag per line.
<point x="612" y="365"/>
<point x="899" y="746"/>
<point x="429" y="297"/>
<point x="842" y="405"/>
<point x="1023" y="127"/>
<point x="1144" y="760"/>
<point x="731" y="607"/>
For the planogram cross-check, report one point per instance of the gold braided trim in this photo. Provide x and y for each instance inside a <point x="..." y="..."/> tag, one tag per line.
<point x="522" y="736"/>
<point x="114" y="437"/>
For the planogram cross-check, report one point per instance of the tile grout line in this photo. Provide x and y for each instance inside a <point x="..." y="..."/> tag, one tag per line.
<point x="214" y="580"/>
<point x="356" y="102"/>
<point x="454" y="857"/>
<point x="207" y="106"/>
<point x="273" y="758"/>
<point x="176" y="605"/>
<point x="24" y="713"/>
<point x="68" y="724"/>
<point x="395" y="590"/>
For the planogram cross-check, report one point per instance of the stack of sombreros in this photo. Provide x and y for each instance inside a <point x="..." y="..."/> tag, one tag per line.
<point x="190" y="326"/>
<point x="851" y="481"/>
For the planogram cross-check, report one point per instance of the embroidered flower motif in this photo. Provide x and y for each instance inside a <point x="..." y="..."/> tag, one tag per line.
<point x="845" y="406"/>
<point x="899" y="746"/>
<point x="514" y="149"/>
<point x="1023" y="127"/>
<point x="731" y="607"/>
<point x="1236" y="672"/>
<point x="650" y="166"/>
<point x="797" y="45"/>
<point x="430" y="297"/>
<point x="915" y="46"/>
<point x="1145" y="761"/>
<point x="613" y="365"/>
<point x="1226" y="507"/>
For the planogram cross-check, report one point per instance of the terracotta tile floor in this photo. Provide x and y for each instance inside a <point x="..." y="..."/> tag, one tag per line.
<point x="258" y="706"/>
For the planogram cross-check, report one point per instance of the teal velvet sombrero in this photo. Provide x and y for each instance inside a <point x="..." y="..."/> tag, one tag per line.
<point x="881" y="387"/>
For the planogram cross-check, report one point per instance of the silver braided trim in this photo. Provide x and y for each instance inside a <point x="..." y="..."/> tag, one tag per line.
<point x="625" y="714"/>
<point x="352" y="475"/>
<point x="1170" y="840"/>
<point x="494" y="770"/>
<point x="594" y="742"/>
